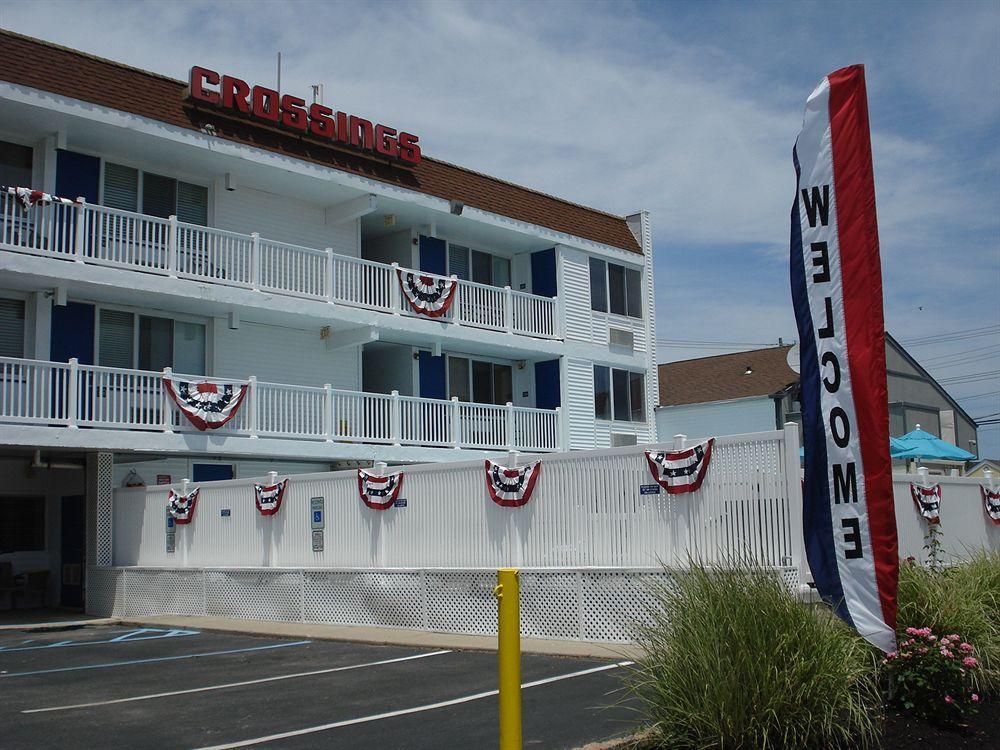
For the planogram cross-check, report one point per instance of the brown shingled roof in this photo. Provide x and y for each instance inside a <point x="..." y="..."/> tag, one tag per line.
<point x="110" y="84"/>
<point x="722" y="377"/>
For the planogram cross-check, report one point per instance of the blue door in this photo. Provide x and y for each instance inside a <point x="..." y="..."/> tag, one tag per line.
<point x="543" y="273"/>
<point x="77" y="176"/>
<point x="72" y="535"/>
<point x="72" y="333"/>
<point x="432" y="255"/>
<point x="432" y="380"/>
<point x="547" y="392"/>
<point x="211" y="472"/>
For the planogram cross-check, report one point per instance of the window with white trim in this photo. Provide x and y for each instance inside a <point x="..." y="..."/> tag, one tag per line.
<point x="145" y="342"/>
<point x="619" y="395"/>
<point x="615" y="288"/>
<point x="478" y="266"/>
<point x="11" y="328"/>
<point x="131" y="189"/>
<point x="480" y="381"/>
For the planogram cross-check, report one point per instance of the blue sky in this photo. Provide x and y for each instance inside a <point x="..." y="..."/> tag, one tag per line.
<point x="686" y="109"/>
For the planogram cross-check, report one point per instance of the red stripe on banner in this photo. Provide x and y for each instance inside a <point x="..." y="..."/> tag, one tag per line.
<point x="865" y="325"/>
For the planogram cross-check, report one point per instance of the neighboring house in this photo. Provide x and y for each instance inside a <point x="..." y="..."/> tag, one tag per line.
<point x="758" y="390"/>
<point x="979" y="469"/>
<point x="223" y="237"/>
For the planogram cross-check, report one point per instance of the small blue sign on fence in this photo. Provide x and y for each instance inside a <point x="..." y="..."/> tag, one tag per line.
<point x="649" y="489"/>
<point x="226" y="512"/>
<point x="400" y="503"/>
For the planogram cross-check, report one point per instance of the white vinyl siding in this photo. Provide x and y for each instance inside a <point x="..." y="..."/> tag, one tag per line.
<point x="276" y="354"/>
<point x="579" y="401"/>
<point x="11" y="328"/>
<point x="277" y="217"/>
<point x="575" y="289"/>
<point x="699" y="421"/>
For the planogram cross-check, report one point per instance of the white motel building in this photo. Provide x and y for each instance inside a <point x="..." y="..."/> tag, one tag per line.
<point x="359" y="301"/>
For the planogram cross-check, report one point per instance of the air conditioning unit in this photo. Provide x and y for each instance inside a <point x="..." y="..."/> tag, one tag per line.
<point x="621" y="337"/>
<point x="621" y="439"/>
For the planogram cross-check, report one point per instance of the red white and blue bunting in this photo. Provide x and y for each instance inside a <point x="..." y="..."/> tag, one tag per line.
<point x="28" y="197"/>
<point x="991" y="503"/>
<point x="427" y="295"/>
<point x="208" y="406"/>
<point x="928" y="501"/>
<point x="511" y="488"/>
<point x="379" y="493"/>
<point x="681" y="471"/>
<point x="268" y="497"/>
<point x="181" y="507"/>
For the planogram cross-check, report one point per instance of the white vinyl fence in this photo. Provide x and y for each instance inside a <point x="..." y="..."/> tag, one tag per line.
<point x="588" y="543"/>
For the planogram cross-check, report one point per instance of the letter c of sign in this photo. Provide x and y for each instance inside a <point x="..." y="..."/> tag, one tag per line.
<point x="196" y="87"/>
<point x="829" y="358"/>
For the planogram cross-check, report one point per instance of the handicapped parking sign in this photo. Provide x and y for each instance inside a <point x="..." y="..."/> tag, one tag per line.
<point x="316" y="513"/>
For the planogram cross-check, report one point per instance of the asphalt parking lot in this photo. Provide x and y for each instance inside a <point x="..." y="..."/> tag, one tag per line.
<point x="132" y="687"/>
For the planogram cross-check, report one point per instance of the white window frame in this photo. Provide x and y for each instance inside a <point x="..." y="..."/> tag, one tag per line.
<point x="611" y="395"/>
<point x="607" y="289"/>
<point x="136" y="312"/>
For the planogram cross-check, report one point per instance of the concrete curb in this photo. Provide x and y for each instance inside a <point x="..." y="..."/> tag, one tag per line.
<point x="385" y="636"/>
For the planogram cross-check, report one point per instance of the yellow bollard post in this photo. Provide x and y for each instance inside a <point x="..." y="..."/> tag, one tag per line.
<point x="509" y="657"/>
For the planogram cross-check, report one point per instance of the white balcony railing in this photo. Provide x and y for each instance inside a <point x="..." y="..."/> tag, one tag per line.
<point x="122" y="239"/>
<point x="72" y="395"/>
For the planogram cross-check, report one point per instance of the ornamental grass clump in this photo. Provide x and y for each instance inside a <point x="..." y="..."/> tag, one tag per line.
<point x="731" y="660"/>
<point x="962" y="599"/>
<point x="933" y="677"/>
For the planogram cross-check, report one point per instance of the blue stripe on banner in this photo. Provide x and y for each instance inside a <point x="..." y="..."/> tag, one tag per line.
<point x="817" y="518"/>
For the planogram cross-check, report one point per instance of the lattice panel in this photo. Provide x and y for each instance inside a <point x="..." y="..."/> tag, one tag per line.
<point x="105" y="503"/>
<point x="550" y="604"/>
<point x="103" y="589"/>
<point x="392" y="599"/>
<point x="615" y="601"/>
<point x="254" y="594"/>
<point x="461" y="601"/>
<point x="153" y="591"/>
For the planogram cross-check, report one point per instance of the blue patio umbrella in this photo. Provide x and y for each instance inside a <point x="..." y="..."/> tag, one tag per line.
<point x="900" y="449"/>
<point x="921" y="444"/>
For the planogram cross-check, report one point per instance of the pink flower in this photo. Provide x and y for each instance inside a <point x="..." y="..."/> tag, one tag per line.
<point x="946" y="653"/>
<point x="912" y="631"/>
<point x="891" y="655"/>
<point x="966" y="648"/>
<point x="970" y="661"/>
<point x="922" y="650"/>
<point x="948" y="699"/>
<point x="975" y="698"/>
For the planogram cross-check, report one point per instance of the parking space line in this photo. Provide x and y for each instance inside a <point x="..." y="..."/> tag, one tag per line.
<point x="238" y="684"/>
<point x="143" y="634"/>
<point x="414" y="710"/>
<point x="155" y="659"/>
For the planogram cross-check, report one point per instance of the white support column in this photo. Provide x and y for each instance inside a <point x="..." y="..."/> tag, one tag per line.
<point x="508" y="310"/>
<point x="328" y="412"/>
<point x="167" y="416"/>
<point x="511" y="445"/>
<point x="329" y="274"/>
<point x="79" y="230"/>
<point x="100" y="505"/>
<point x="255" y="261"/>
<point x="680" y="442"/>
<point x="456" y="423"/>
<point x="172" y="246"/>
<point x="72" y="392"/>
<point x="793" y="491"/>
<point x="456" y="308"/>
<point x="252" y="416"/>
<point x="395" y="420"/>
<point x="395" y="293"/>
<point x="39" y="345"/>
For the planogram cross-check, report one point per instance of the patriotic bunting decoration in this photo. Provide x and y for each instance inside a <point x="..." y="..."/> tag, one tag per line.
<point x="511" y="488"/>
<point x="848" y="517"/>
<point x="206" y="405"/>
<point x="683" y="471"/>
<point x="28" y="197"/>
<point x="268" y="498"/>
<point x="379" y="493"/>
<point x="991" y="503"/>
<point x="181" y="507"/>
<point x="928" y="501"/>
<point x="427" y="295"/>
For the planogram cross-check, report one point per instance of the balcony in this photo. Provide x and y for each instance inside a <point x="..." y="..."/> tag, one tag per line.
<point x="101" y="236"/>
<point x="67" y="394"/>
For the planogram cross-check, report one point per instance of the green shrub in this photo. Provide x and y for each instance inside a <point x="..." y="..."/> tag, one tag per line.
<point x="732" y="660"/>
<point x="961" y="599"/>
